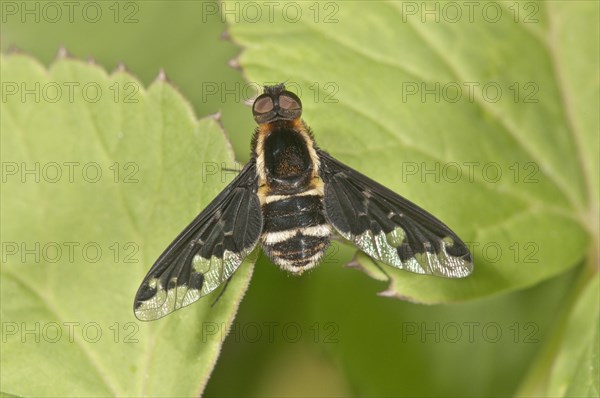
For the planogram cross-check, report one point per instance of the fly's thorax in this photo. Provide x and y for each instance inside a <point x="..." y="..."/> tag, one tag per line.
<point x="286" y="157"/>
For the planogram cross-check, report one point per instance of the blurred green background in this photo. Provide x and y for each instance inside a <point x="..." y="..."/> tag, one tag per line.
<point x="352" y="342"/>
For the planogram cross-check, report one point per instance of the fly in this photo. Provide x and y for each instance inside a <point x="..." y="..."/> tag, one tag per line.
<point x="290" y="198"/>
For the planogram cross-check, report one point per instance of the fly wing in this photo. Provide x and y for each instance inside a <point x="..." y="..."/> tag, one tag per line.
<point x="388" y="227"/>
<point x="207" y="252"/>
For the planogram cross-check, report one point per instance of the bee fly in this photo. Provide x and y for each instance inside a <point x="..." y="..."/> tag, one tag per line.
<point x="290" y="198"/>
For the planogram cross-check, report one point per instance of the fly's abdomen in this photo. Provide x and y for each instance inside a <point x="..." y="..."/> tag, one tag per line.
<point x="295" y="233"/>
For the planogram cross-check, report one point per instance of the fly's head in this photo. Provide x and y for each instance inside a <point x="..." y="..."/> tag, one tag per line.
<point x="276" y="104"/>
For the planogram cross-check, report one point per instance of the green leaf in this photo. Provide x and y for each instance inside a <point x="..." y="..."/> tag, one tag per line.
<point x="575" y="370"/>
<point x="510" y="165"/>
<point x="186" y="41"/>
<point x="96" y="183"/>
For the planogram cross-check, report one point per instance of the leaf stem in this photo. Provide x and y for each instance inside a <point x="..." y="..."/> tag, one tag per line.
<point x="535" y="383"/>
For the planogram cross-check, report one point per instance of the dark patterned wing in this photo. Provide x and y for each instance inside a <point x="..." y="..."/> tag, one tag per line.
<point x="207" y="252"/>
<point x="388" y="227"/>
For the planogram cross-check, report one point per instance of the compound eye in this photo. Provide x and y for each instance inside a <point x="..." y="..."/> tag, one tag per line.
<point x="262" y="104"/>
<point x="289" y="102"/>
